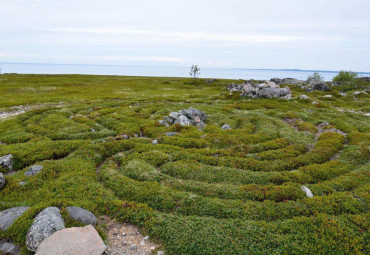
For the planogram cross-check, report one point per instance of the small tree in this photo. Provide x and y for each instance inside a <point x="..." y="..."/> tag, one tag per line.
<point x="194" y="72"/>
<point x="343" y="76"/>
<point x="315" y="77"/>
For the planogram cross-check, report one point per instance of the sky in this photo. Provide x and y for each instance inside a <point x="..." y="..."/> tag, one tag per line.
<point x="271" y="34"/>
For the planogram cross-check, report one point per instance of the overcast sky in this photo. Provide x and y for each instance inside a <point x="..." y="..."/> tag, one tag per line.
<point x="302" y="34"/>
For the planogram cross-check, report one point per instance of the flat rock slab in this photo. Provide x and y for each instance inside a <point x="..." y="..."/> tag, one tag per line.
<point x="33" y="170"/>
<point x="8" y="216"/>
<point x="73" y="241"/>
<point x="82" y="215"/>
<point x="46" y="223"/>
<point x="7" y="247"/>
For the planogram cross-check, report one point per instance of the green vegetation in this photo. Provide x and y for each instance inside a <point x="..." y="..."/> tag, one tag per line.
<point x="344" y="76"/>
<point x="208" y="191"/>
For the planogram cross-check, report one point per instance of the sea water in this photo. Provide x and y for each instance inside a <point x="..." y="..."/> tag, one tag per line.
<point x="163" y="71"/>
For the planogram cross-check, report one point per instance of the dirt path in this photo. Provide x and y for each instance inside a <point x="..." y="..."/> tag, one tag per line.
<point x="127" y="239"/>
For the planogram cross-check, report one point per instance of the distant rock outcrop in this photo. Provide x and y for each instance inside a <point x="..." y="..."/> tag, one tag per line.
<point x="262" y="90"/>
<point x="185" y="117"/>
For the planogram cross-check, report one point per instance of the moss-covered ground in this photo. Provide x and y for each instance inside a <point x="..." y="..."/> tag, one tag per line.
<point x="208" y="191"/>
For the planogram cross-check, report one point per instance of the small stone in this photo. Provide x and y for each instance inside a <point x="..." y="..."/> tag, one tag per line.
<point x="8" y="216"/>
<point x="171" y="133"/>
<point x="82" y="215"/>
<point x="6" y="162"/>
<point x="133" y="247"/>
<point x="70" y="241"/>
<point x="155" y="142"/>
<point x="33" y="170"/>
<point x="307" y="191"/>
<point x="162" y="122"/>
<point x="226" y="127"/>
<point x="304" y="97"/>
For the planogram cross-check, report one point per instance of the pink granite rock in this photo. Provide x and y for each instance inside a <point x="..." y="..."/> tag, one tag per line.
<point x="73" y="241"/>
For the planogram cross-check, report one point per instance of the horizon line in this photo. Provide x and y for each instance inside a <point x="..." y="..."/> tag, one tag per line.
<point x="240" y="68"/>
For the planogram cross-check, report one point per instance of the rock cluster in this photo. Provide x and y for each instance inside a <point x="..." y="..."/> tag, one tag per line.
<point x="46" y="223"/>
<point x="262" y="90"/>
<point x="185" y="117"/>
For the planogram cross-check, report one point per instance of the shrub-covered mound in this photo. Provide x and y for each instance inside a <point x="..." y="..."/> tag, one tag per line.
<point x="198" y="191"/>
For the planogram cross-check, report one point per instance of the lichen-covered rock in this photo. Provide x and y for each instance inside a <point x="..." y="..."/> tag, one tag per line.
<point x="273" y="93"/>
<point x="6" y="162"/>
<point x="9" y="248"/>
<point x="2" y="180"/>
<point x="184" y="121"/>
<point x="73" y="241"/>
<point x="8" y="216"/>
<point x="47" y="222"/>
<point x="33" y="170"/>
<point x="82" y="215"/>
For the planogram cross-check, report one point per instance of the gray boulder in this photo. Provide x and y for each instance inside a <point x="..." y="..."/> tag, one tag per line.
<point x="274" y="93"/>
<point x="174" y="115"/>
<point x="8" y="216"/>
<point x="168" y="119"/>
<point x="2" y="180"/>
<point x="276" y="80"/>
<point x="33" y="170"/>
<point x="73" y="241"/>
<point x="82" y="215"/>
<point x="47" y="222"/>
<point x="226" y="127"/>
<point x="320" y="86"/>
<point x="7" y="247"/>
<point x="191" y="113"/>
<point x="184" y="121"/>
<point x="272" y="85"/>
<point x="6" y="162"/>
<point x="291" y="81"/>
<point x="248" y="89"/>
